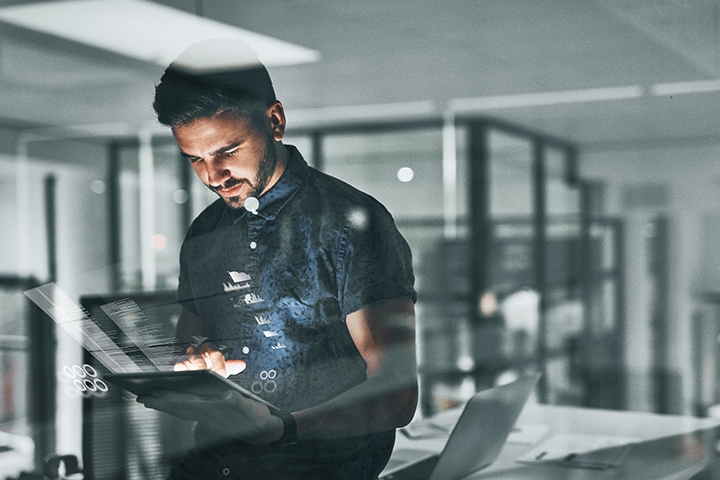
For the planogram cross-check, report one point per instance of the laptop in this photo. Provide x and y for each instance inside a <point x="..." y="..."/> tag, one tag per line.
<point x="475" y="441"/>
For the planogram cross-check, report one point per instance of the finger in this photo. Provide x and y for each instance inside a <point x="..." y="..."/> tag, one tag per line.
<point x="189" y="364"/>
<point x="196" y="362"/>
<point x="180" y="367"/>
<point x="206" y="347"/>
<point x="235" y="366"/>
<point x="216" y="362"/>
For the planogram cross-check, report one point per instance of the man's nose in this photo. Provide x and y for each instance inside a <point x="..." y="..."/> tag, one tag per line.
<point x="217" y="173"/>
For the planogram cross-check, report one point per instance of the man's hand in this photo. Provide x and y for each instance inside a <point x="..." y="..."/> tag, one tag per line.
<point x="208" y="357"/>
<point x="232" y="415"/>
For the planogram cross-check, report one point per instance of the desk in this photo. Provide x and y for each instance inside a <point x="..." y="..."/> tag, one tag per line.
<point x="672" y="447"/>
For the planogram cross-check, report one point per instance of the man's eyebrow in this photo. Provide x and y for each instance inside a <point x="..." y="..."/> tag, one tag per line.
<point x="216" y="152"/>
<point x="226" y="148"/>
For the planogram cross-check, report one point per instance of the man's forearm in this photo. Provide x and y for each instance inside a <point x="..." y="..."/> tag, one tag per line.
<point x="375" y="405"/>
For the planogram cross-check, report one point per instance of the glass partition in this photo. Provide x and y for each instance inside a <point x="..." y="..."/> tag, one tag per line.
<point x="506" y="332"/>
<point x="564" y="309"/>
<point x="153" y="251"/>
<point x="401" y="169"/>
<point x="169" y="195"/>
<point x="532" y="310"/>
<point x="510" y="178"/>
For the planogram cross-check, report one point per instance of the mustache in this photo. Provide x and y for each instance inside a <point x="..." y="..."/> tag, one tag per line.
<point x="229" y="183"/>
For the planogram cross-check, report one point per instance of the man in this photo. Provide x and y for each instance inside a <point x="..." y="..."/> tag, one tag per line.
<point x="303" y="277"/>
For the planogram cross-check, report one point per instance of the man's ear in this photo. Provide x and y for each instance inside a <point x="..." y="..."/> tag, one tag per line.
<point x="276" y="115"/>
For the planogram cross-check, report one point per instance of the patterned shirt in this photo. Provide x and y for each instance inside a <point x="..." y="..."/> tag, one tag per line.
<point x="276" y="286"/>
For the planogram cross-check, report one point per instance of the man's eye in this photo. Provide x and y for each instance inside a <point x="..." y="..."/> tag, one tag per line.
<point x="194" y="159"/>
<point x="232" y="152"/>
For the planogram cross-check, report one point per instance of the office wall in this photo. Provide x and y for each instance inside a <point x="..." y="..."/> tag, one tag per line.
<point x="682" y="183"/>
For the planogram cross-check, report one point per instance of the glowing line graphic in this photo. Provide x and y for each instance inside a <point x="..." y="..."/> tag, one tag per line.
<point x="126" y="314"/>
<point x="79" y="324"/>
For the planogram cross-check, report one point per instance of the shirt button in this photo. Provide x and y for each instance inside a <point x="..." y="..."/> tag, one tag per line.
<point x="226" y="471"/>
<point x="253" y="245"/>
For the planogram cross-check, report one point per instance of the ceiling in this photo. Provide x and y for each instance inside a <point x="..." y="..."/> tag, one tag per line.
<point x="412" y="58"/>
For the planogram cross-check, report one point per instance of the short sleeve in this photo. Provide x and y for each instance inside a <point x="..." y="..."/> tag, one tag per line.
<point x="377" y="263"/>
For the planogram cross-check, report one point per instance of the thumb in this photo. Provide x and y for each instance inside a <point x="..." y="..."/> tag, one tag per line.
<point x="234" y="367"/>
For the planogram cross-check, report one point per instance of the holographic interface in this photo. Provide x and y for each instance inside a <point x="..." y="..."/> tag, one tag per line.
<point x="82" y="380"/>
<point x="130" y="344"/>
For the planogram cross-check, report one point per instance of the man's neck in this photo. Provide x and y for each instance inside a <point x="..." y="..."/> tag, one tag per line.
<point x="283" y="158"/>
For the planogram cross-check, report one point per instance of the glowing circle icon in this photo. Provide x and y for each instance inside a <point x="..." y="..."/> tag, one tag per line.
<point x="251" y="205"/>
<point x="270" y="386"/>
<point x="268" y="375"/>
<point x="256" y="387"/>
<point x="86" y="381"/>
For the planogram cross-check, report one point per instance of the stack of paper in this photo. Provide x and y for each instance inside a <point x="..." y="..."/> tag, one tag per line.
<point x="582" y="451"/>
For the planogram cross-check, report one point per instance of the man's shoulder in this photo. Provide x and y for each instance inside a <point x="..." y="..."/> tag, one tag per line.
<point x="340" y="195"/>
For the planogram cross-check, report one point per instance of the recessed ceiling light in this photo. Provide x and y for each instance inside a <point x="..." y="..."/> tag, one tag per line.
<point x="405" y="174"/>
<point x="144" y="30"/>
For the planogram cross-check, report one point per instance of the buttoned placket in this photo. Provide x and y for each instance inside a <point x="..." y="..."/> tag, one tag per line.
<point x="266" y="382"/>
<point x="254" y="226"/>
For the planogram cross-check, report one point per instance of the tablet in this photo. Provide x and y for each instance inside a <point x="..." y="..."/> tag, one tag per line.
<point x="204" y="383"/>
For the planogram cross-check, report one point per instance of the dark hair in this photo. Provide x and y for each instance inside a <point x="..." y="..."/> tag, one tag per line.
<point x="182" y="97"/>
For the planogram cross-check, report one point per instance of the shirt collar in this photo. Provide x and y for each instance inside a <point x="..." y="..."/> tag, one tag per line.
<point x="275" y="199"/>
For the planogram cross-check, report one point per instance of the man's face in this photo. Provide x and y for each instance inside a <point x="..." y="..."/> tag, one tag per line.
<point x="232" y="158"/>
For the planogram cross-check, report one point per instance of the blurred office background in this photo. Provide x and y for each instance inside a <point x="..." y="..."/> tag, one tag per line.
<point x="552" y="163"/>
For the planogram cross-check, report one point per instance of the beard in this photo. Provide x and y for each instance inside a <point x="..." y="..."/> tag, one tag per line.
<point x="266" y="168"/>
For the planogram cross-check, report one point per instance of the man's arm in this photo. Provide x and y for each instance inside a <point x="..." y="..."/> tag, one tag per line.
<point x="384" y="334"/>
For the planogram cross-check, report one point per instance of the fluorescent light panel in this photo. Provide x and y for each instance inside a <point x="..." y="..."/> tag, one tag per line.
<point x="679" y="88"/>
<point x="144" y="30"/>
<point x="312" y="116"/>
<point x="546" y="98"/>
